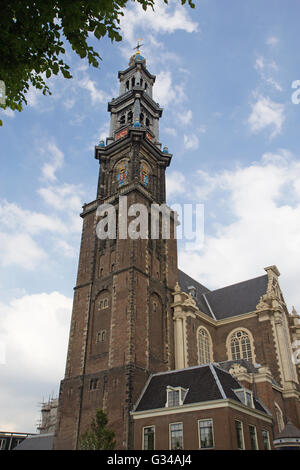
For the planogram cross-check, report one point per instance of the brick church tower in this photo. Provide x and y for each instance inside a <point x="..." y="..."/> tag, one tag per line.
<point x="122" y="327"/>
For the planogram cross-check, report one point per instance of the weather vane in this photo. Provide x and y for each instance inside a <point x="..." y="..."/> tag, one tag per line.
<point x="137" y="47"/>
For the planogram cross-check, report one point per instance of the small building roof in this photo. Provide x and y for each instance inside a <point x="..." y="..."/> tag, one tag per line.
<point x="37" y="442"/>
<point x="203" y="383"/>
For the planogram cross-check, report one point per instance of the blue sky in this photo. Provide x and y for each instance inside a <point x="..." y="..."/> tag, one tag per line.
<point x="224" y="78"/>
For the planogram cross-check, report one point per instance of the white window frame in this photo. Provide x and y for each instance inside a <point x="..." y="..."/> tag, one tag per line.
<point x="2" y="443"/>
<point x="182" y="394"/>
<point x="268" y="436"/>
<point x="143" y="436"/>
<point x="199" y="434"/>
<point x="170" y="440"/>
<point x="256" y="441"/>
<point x="245" y="392"/>
<point x="242" y="429"/>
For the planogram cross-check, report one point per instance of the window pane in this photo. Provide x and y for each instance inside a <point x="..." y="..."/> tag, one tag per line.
<point x="206" y="433"/>
<point x="176" y="432"/>
<point x="239" y="434"/>
<point x="266" y="439"/>
<point x="149" y="438"/>
<point x="173" y="398"/>
<point x="253" y="439"/>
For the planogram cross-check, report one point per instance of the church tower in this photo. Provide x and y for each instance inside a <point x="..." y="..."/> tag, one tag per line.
<point x="122" y="327"/>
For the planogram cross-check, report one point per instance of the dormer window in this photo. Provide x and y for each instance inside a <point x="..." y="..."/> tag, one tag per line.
<point x="175" y="396"/>
<point x="245" y="396"/>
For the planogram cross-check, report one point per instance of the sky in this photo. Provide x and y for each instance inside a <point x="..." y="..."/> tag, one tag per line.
<point x="226" y="78"/>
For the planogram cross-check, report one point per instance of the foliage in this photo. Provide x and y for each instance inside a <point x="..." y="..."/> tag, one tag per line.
<point x="32" y="34"/>
<point x="99" y="437"/>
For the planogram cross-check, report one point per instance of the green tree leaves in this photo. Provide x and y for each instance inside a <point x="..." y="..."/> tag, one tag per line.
<point x="32" y="33"/>
<point x="99" y="437"/>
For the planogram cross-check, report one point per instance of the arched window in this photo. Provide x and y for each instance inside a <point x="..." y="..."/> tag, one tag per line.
<point x="279" y="417"/>
<point x="240" y="345"/>
<point x="204" y="346"/>
<point x="133" y="82"/>
<point x="122" y="120"/>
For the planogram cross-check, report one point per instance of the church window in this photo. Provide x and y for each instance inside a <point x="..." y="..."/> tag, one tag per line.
<point x="127" y="85"/>
<point x="94" y="384"/>
<point x="241" y="346"/>
<point x="122" y="120"/>
<point x="204" y="346"/>
<point x="147" y="122"/>
<point x="148" y="438"/>
<point x="279" y="417"/>
<point x="141" y="118"/>
<point x="141" y="82"/>
<point x="176" y="436"/>
<point x="101" y="336"/>
<point x="146" y="85"/>
<point x="129" y="116"/>
<point x="206" y="436"/>
<point x="133" y="82"/>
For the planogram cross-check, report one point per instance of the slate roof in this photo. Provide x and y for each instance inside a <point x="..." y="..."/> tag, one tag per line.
<point x="290" y="431"/>
<point x="204" y="383"/>
<point x="38" y="442"/>
<point x="229" y="301"/>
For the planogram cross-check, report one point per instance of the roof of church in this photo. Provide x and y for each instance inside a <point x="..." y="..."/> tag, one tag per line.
<point x="229" y="301"/>
<point x="204" y="383"/>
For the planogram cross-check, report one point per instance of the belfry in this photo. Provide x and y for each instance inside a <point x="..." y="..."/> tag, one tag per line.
<point x="174" y="364"/>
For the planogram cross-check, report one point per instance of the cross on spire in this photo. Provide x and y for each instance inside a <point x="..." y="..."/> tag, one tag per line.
<point x="137" y="47"/>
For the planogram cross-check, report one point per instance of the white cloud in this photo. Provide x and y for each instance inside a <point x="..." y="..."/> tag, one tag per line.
<point x="165" y="91"/>
<point x="185" y="117"/>
<point x="20" y="250"/>
<point x="191" y="141"/>
<point x="265" y="113"/>
<point x="266" y="69"/>
<point x="175" y="184"/>
<point x="34" y="329"/>
<point x="7" y="112"/>
<point x="164" y="19"/>
<point x="56" y="161"/>
<point x="272" y="41"/>
<point x="262" y="229"/>
<point x="97" y="96"/>
<point x="64" y="197"/>
<point x="15" y="219"/>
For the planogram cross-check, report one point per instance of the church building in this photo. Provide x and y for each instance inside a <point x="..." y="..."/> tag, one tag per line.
<point x="174" y="364"/>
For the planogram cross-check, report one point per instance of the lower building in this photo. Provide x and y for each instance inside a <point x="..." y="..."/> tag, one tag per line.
<point x="10" y="440"/>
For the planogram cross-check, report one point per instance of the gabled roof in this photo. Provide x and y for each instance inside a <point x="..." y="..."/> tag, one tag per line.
<point x="204" y="383"/>
<point x="38" y="442"/>
<point x="229" y="301"/>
